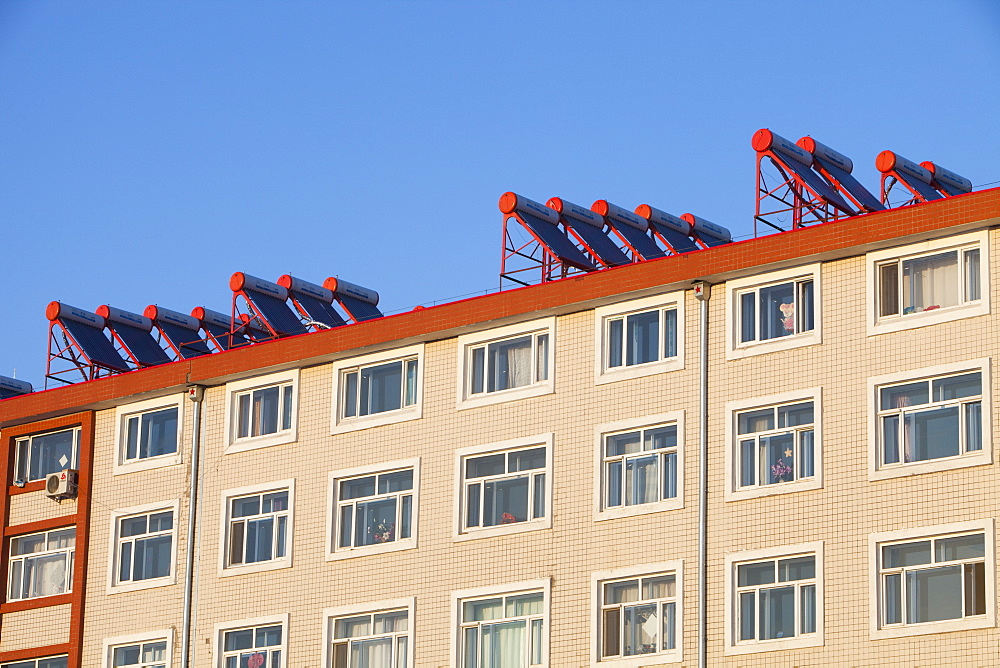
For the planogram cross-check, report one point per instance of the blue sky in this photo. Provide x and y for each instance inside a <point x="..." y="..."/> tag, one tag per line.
<point x="150" y="149"/>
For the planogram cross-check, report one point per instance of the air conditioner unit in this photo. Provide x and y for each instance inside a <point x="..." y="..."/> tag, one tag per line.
<point x="61" y="484"/>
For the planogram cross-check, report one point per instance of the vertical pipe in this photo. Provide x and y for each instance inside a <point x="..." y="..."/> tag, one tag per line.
<point x="702" y="293"/>
<point x="196" y="394"/>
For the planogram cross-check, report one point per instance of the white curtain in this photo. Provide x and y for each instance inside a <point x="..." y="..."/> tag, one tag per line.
<point x="372" y="653"/>
<point x="931" y="282"/>
<point x="503" y="645"/>
<point x="47" y="575"/>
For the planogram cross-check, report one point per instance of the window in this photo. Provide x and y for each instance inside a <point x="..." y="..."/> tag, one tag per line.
<point x="42" y="454"/>
<point x="638" y="616"/>
<point x="640" y="465"/>
<point x="773" y="312"/>
<point x="140" y="655"/>
<point x="640" y="337"/>
<point x="258" y="527"/>
<point x="774" y="444"/>
<point x="935" y="579"/>
<point x="41" y="564"/>
<point x="49" y="662"/>
<point x="148" y="434"/>
<point x="261" y="412"/>
<point x="141" y="650"/>
<point x="498" y="629"/>
<point x="932" y="422"/>
<point x="253" y="646"/>
<point x="504" y="487"/>
<point x="144" y="547"/>
<point x="363" y="637"/>
<point x="378" y="389"/>
<point x="507" y="363"/>
<point x="775" y="598"/>
<point x="928" y="283"/>
<point x="373" y="509"/>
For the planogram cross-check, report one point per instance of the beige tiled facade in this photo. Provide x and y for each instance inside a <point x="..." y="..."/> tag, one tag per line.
<point x="840" y="515"/>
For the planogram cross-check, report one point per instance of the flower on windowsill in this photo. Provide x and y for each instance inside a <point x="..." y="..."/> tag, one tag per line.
<point x="780" y="469"/>
<point x="384" y="532"/>
<point x="507" y="518"/>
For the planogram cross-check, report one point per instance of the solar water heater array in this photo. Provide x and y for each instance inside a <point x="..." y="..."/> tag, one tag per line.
<point x="551" y="241"/>
<point x="813" y="183"/>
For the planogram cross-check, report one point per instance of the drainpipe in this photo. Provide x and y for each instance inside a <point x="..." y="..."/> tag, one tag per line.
<point x="196" y="393"/>
<point x="702" y="292"/>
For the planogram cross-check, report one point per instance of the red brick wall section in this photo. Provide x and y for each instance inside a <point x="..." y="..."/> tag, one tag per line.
<point x="81" y="519"/>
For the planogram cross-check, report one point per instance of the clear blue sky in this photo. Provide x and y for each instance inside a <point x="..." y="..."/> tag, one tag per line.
<point x="150" y="149"/>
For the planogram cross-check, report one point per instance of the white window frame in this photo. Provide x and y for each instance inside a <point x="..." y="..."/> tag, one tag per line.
<point x="597" y="581"/>
<point x="602" y="431"/>
<point x="72" y="464"/>
<point x="733" y="491"/>
<point x="340" y="424"/>
<point x="460" y="532"/>
<point x="269" y="620"/>
<point x="467" y="342"/>
<point x="115" y="587"/>
<point x="166" y="635"/>
<point x="604" y="314"/>
<point x="895" y="323"/>
<point x="69" y="555"/>
<point x="982" y="457"/>
<point x="123" y="413"/>
<point x="734" y="559"/>
<point x="240" y="387"/>
<point x="330" y="614"/>
<point x="543" y="585"/>
<point x="226" y="569"/>
<point x="333" y="516"/>
<point x="737" y="350"/>
<point x="875" y="598"/>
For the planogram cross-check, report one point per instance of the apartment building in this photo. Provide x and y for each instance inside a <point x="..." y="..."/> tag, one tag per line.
<point x="516" y="479"/>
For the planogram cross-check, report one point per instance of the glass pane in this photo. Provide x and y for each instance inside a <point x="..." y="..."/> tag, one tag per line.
<point x="357" y="488"/>
<point x="934" y="594"/>
<point x="798" y="568"/>
<point x="906" y="554"/>
<point x="622" y="444"/>
<point x="351" y="394"/>
<point x="509" y="364"/>
<point x="538" y="494"/>
<point x="471" y="643"/>
<point x="890" y="439"/>
<point x="755" y="574"/>
<point x="643" y="336"/>
<point x="806" y="314"/>
<point x="473" y="493"/>
<point x="748" y="614"/>
<point x="669" y="333"/>
<point x="406" y="516"/>
<point x="669" y="626"/>
<point x="542" y="361"/>
<point x="508" y="500"/>
<point x="410" y="395"/>
<point x="956" y="387"/>
<point x="621" y="592"/>
<point x="641" y="627"/>
<point x="795" y="415"/>
<point x="126" y="656"/>
<point x="236" y="542"/>
<point x="975" y="589"/>
<point x="930" y="282"/>
<point x="808" y="608"/>
<point x="158" y="433"/>
<point x="893" y="599"/>
<point x="754" y="421"/>
<point x="615" y="343"/>
<point x="352" y="627"/>
<point x="931" y="434"/>
<point x="660" y="437"/>
<point x="477" y="467"/>
<point x="397" y="481"/>
<point x="133" y="526"/>
<point x="960" y="547"/>
<point x="748" y="463"/>
<point x="246" y="506"/>
<point x="286" y="407"/>
<point x="523" y="605"/>
<point x="973" y="426"/>
<point x="478" y="370"/>
<point x="237" y="640"/>
<point x="535" y="650"/>
<point x="777" y="613"/>
<point x="888" y="277"/>
<point x="50" y="453"/>
<point x="670" y="476"/>
<point x="806" y="462"/>
<point x="748" y="318"/>
<point x="641" y="480"/>
<point x="972" y="278"/>
<point x="777" y="311"/>
<point x="658" y="587"/>
<point x="778" y="454"/>
<point x="611" y="645"/>
<point x="264" y="417"/>
<point x="614" y="484"/>
<point x="901" y="396"/>
<point x="484" y="610"/>
<point x="384" y="385"/>
<point x="346" y="515"/>
<point x="526" y="460"/>
<point x="391" y="622"/>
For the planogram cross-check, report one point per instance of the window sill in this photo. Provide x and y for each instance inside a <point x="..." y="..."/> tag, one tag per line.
<point x="36" y="602"/>
<point x="641" y="509"/>
<point x="932" y="466"/>
<point x="927" y="318"/>
<point x="802" y="340"/>
<point x="368" y="550"/>
<point x="152" y="583"/>
<point x="774" y="490"/>
<point x="32" y="486"/>
<point x="639" y="371"/>
<point x="344" y="425"/>
<point x="932" y="627"/>
<point x="536" y="390"/>
<point x="670" y="656"/>
<point x="147" y="464"/>
<point x="257" y="442"/>
<point x="812" y="640"/>
<point x="258" y="567"/>
<point x="504" y="529"/>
